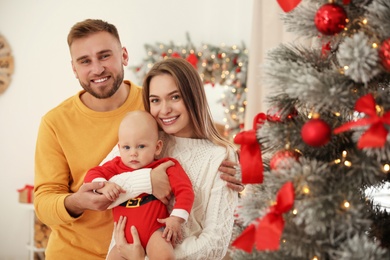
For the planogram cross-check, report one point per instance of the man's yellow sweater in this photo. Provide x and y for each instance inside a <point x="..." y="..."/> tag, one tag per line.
<point x="72" y="139"/>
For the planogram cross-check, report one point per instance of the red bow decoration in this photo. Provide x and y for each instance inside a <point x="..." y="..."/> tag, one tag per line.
<point x="288" y="5"/>
<point x="376" y="134"/>
<point x="265" y="233"/>
<point x="250" y="155"/>
<point x="30" y="190"/>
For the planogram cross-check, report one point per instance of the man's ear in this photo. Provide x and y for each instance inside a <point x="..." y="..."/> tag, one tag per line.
<point x="125" y="56"/>
<point x="159" y="147"/>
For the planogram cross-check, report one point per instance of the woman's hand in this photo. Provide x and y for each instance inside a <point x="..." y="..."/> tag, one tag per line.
<point x="161" y="188"/>
<point x="229" y="171"/>
<point x="126" y="250"/>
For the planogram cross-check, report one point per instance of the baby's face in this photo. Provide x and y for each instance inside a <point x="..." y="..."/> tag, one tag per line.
<point x="138" y="148"/>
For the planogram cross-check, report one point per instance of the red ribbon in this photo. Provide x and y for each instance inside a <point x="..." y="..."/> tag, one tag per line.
<point x="265" y="233"/>
<point x="376" y="134"/>
<point x="29" y="189"/>
<point x="325" y="49"/>
<point x="288" y="5"/>
<point x="250" y="155"/>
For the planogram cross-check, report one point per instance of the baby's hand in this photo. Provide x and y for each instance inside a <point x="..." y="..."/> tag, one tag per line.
<point x="111" y="190"/>
<point x="172" y="231"/>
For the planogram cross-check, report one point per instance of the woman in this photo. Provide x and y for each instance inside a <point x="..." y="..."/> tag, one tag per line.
<point x="173" y="93"/>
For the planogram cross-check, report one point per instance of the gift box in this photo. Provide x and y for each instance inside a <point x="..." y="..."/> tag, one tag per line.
<point x="26" y="194"/>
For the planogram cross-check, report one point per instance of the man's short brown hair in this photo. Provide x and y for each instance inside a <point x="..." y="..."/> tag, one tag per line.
<point x="91" y="26"/>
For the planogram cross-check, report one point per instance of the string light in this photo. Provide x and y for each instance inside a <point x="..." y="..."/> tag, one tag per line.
<point x="379" y="110"/>
<point x="386" y="168"/>
<point x="306" y="189"/>
<point x="348" y="163"/>
<point x="295" y="212"/>
<point x="346" y="204"/>
<point x="313" y="115"/>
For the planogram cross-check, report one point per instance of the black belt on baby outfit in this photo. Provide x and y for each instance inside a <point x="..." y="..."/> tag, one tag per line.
<point x="136" y="202"/>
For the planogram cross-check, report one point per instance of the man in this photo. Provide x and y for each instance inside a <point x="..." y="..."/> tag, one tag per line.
<point x="77" y="135"/>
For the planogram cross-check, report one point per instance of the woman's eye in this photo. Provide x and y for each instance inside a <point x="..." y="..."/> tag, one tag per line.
<point x="175" y="97"/>
<point x="154" y="100"/>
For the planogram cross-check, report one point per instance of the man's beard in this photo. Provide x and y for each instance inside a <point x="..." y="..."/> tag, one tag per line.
<point x="107" y="93"/>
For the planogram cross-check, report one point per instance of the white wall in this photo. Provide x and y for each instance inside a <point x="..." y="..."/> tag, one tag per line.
<point x="37" y="30"/>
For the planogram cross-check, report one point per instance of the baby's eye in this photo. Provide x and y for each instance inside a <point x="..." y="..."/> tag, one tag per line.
<point x="126" y="147"/>
<point x="141" y="146"/>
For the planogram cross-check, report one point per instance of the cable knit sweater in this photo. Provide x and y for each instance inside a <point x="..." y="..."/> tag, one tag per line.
<point x="209" y="228"/>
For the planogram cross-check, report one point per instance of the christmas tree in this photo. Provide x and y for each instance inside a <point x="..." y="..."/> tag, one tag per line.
<point x="310" y="158"/>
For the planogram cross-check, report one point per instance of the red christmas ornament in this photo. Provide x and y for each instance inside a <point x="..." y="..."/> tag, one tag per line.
<point x="330" y="19"/>
<point x="384" y="54"/>
<point x="175" y="55"/>
<point x="193" y="60"/>
<point x="274" y="114"/>
<point x="282" y="159"/>
<point x="316" y="132"/>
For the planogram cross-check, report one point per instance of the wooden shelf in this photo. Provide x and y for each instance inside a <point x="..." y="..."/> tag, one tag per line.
<point x="30" y="246"/>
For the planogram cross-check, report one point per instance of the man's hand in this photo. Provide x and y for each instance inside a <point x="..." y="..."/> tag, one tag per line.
<point x="160" y="182"/>
<point x="126" y="250"/>
<point x="85" y="198"/>
<point x="229" y="171"/>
